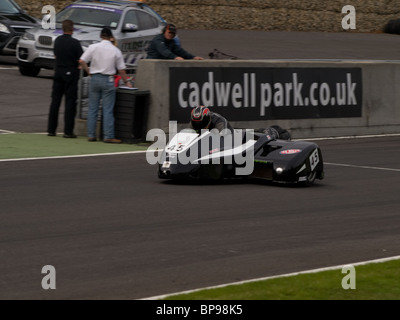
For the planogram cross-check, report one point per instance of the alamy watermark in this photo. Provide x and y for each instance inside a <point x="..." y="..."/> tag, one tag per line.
<point x="49" y="280"/>
<point x="349" y="280"/>
<point x="49" y="17"/>
<point x="237" y="146"/>
<point x="349" y="20"/>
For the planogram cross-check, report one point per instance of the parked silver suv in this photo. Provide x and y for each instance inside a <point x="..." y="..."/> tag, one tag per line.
<point x="133" y="24"/>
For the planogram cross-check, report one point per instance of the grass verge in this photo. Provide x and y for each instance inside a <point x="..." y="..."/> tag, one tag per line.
<point x="22" y="145"/>
<point x="375" y="281"/>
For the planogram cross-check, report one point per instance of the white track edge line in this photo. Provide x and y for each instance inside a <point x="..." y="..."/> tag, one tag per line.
<point x="73" y="156"/>
<point x="277" y="276"/>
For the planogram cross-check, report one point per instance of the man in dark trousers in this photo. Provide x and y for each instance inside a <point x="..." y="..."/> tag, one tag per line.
<point x="67" y="51"/>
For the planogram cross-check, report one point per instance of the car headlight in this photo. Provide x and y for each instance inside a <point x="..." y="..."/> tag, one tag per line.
<point x="3" y="28"/>
<point x="28" y="36"/>
<point x="86" y="43"/>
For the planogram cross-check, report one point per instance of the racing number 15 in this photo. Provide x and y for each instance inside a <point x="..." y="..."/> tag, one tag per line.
<point x="314" y="159"/>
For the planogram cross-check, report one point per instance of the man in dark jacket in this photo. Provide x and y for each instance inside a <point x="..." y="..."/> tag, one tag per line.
<point x="67" y="51"/>
<point x="164" y="46"/>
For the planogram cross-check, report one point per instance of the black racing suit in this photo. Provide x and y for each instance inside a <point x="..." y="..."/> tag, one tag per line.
<point x="218" y="122"/>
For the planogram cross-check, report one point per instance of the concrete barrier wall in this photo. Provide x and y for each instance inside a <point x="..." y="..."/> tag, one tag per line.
<point x="380" y="109"/>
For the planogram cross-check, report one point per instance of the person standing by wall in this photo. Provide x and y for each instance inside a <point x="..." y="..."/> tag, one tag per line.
<point x="163" y="46"/>
<point x="67" y="51"/>
<point x="104" y="59"/>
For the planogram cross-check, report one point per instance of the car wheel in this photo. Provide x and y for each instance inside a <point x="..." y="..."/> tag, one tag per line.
<point x="310" y="178"/>
<point x="28" y="69"/>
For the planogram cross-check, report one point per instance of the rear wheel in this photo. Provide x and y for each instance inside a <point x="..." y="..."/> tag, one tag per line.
<point x="28" y="69"/>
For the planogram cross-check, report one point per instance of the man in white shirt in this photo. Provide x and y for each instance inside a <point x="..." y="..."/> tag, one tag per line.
<point x="105" y="60"/>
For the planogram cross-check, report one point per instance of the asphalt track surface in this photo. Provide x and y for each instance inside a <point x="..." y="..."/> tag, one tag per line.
<point x="113" y="230"/>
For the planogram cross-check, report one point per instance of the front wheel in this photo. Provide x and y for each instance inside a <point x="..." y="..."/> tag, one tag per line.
<point x="310" y="178"/>
<point x="28" y="69"/>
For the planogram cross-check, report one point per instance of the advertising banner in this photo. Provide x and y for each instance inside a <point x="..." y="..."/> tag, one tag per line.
<point x="252" y="94"/>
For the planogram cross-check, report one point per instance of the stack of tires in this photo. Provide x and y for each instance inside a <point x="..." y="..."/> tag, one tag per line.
<point x="393" y="26"/>
<point x="83" y="98"/>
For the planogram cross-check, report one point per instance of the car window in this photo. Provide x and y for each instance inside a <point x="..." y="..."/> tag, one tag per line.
<point x="154" y="13"/>
<point x="91" y="16"/>
<point x="7" y="7"/>
<point x="147" y="21"/>
<point x="143" y="20"/>
<point x="131" y="18"/>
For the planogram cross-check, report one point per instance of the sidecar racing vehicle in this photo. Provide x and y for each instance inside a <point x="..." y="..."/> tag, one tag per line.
<point x="243" y="154"/>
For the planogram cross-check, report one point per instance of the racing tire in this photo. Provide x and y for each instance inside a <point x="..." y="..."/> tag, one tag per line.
<point x="393" y="26"/>
<point x="28" y="69"/>
<point x="310" y="178"/>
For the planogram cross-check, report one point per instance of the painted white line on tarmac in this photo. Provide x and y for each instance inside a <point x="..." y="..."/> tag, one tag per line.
<point x="132" y="152"/>
<point x="275" y="277"/>
<point x="74" y="156"/>
<point x="144" y="151"/>
<point x="351" y="137"/>
<point x="6" y="132"/>
<point x="362" y="167"/>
